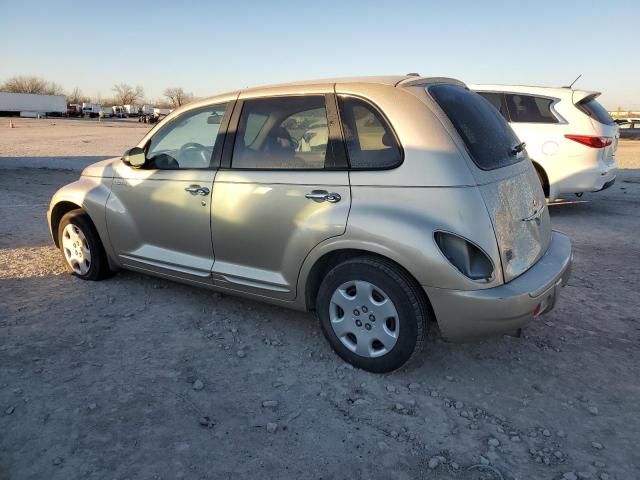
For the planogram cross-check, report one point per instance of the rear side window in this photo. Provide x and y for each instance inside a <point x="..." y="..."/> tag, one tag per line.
<point x="497" y="100"/>
<point x="370" y="141"/>
<point x="282" y="133"/>
<point x="486" y="134"/>
<point x="530" y="109"/>
<point x="593" y="109"/>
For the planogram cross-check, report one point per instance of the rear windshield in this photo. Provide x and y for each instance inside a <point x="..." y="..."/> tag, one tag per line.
<point x="592" y="108"/>
<point x="486" y="134"/>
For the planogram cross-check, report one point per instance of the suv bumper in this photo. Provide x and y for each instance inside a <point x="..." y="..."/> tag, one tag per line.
<point x="464" y="315"/>
<point x="592" y="179"/>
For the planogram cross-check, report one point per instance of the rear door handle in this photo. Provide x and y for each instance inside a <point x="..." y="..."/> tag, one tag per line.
<point x="323" y="196"/>
<point x="197" y="190"/>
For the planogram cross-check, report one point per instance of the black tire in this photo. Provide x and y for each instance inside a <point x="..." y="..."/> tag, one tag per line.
<point x="99" y="266"/>
<point x="402" y="290"/>
<point x="543" y="181"/>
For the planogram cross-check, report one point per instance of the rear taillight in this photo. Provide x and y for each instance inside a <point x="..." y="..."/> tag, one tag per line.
<point x="591" y="141"/>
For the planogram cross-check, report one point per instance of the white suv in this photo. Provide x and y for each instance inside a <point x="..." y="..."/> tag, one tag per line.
<point x="569" y="136"/>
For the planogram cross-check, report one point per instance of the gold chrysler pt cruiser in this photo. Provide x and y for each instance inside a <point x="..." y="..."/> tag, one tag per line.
<point x="382" y="203"/>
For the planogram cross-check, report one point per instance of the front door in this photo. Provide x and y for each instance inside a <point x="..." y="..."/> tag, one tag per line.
<point x="284" y="191"/>
<point x="159" y="216"/>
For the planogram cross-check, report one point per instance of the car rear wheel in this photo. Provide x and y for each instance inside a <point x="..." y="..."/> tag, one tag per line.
<point x="81" y="247"/>
<point x="372" y="313"/>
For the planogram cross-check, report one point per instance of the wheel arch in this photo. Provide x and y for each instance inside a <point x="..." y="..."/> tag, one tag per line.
<point x="326" y="261"/>
<point x="57" y="212"/>
<point x="543" y="176"/>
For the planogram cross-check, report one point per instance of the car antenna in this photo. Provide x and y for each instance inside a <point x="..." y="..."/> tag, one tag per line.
<point x="572" y="83"/>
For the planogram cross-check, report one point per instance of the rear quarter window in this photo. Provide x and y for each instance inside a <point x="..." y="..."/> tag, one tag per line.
<point x="486" y="134"/>
<point x="371" y="143"/>
<point x="530" y="108"/>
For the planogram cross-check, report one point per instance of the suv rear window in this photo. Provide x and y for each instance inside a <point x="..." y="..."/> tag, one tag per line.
<point x="593" y="109"/>
<point x="486" y="134"/>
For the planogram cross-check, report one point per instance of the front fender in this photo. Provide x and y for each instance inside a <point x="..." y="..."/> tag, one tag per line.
<point x="90" y="194"/>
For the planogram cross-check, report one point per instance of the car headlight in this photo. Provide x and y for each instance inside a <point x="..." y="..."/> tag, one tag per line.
<point x="469" y="259"/>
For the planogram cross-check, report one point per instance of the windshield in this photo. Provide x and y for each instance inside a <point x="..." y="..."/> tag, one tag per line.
<point x="488" y="137"/>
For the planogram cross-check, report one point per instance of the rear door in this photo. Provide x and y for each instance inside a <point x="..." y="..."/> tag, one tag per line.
<point x="533" y="119"/>
<point x="283" y="189"/>
<point x="504" y="174"/>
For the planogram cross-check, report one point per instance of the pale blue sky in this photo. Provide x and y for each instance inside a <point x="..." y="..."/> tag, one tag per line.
<point x="210" y="47"/>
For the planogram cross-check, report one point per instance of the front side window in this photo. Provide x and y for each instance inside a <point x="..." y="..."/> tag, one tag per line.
<point x="486" y="134"/>
<point x="530" y="109"/>
<point x="188" y="141"/>
<point x="370" y="141"/>
<point x="282" y="133"/>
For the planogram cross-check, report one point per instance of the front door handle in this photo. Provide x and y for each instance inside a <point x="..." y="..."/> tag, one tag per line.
<point x="197" y="190"/>
<point x="323" y="196"/>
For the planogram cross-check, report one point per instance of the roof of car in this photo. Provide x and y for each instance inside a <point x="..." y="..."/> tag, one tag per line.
<point x="533" y="89"/>
<point x="390" y="80"/>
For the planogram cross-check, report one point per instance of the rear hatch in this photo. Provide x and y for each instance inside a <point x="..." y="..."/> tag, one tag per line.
<point x="504" y="174"/>
<point x="600" y="121"/>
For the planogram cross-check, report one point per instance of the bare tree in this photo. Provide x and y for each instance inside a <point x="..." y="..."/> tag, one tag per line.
<point x="124" y="94"/>
<point x="76" y="96"/>
<point x="26" y="85"/>
<point x="177" y="96"/>
<point x="53" y="88"/>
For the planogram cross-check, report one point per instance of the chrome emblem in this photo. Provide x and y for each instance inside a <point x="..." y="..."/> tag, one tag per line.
<point x="537" y="213"/>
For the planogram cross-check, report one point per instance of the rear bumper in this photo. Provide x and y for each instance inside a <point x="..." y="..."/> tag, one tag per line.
<point x="464" y="315"/>
<point x="592" y="179"/>
<point x="608" y="184"/>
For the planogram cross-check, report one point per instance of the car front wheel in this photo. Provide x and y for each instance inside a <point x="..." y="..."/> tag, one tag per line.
<point x="81" y="247"/>
<point x="372" y="313"/>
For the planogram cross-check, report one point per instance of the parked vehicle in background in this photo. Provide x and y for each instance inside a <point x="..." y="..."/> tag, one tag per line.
<point x="74" y="110"/>
<point x="151" y="117"/>
<point x="420" y="206"/>
<point x="119" y="111"/>
<point x="630" y="129"/>
<point x="569" y="136"/>
<point x="132" y="110"/>
<point x="91" y="110"/>
<point x="627" y="120"/>
<point x="161" y="111"/>
<point x="106" y="111"/>
<point x="32" y="105"/>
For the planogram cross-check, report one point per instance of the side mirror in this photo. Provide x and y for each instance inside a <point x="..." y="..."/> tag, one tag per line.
<point x="134" y="157"/>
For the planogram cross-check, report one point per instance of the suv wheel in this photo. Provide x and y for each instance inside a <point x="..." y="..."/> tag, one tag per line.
<point x="81" y="247"/>
<point x="372" y="313"/>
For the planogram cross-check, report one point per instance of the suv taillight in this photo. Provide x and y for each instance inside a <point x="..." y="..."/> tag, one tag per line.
<point x="591" y="141"/>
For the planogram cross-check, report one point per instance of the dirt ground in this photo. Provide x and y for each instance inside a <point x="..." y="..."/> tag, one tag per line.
<point x="140" y="378"/>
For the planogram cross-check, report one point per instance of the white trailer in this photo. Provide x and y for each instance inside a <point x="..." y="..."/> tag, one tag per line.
<point x="91" y="109"/>
<point x="147" y="109"/>
<point x="161" y="111"/>
<point x="32" y="104"/>
<point x="132" y="110"/>
<point x="106" y="111"/>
